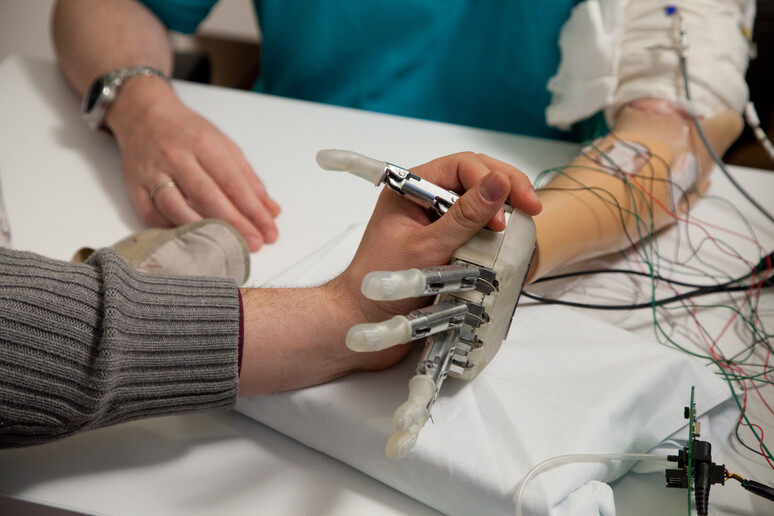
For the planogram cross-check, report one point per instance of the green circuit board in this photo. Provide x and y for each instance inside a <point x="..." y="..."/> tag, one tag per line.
<point x="689" y="459"/>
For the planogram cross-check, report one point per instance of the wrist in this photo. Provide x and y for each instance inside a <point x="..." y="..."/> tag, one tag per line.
<point x="656" y="120"/>
<point x="352" y="308"/>
<point x="140" y="98"/>
<point x="294" y="337"/>
<point x="102" y="93"/>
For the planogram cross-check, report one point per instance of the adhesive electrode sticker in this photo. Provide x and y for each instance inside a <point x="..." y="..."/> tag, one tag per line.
<point x="628" y="158"/>
<point x="623" y="157"/>
<point x="682" y="181"/>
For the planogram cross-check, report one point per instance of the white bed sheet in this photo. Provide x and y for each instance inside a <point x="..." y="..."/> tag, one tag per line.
<point x="562" y="383"/>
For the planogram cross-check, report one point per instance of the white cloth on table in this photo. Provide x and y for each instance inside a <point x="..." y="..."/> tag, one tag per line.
<point x="562" y="383"/>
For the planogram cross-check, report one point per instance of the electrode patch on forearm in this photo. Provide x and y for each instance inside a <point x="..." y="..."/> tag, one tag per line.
<point x="627" y="158"/>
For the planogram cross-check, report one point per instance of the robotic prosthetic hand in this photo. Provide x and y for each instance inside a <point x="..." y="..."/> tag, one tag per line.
<point x="475" y="296"/>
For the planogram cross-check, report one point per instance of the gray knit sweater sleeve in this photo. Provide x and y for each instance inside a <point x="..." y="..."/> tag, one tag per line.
<point x="89" y="345"/>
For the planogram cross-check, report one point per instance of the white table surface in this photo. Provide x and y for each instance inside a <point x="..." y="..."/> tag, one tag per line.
<point x="63" y="190"/>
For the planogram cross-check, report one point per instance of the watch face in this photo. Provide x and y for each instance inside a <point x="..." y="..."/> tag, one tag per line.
<point x="93" y="95"/>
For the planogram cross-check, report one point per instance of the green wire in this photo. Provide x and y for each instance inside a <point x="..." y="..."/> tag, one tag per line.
<point x="647" y="249"/>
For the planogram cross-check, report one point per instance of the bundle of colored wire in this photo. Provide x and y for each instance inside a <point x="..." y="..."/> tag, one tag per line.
<point x="699" y="290"/>
<point x="645" y="249"/>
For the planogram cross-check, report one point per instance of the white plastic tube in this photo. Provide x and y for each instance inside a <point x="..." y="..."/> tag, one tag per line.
<point x="571" y="459"/>
<point x="372" y="170"/>
<point x="751" y="115"/>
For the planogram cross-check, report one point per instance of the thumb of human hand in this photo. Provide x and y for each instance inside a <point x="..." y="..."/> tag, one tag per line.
<point x="475" y="209"/>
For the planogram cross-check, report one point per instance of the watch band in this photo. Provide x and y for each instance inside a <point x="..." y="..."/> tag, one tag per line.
<point x="104" y="90"/>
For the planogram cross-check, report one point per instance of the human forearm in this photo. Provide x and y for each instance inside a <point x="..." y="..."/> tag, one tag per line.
<point x="592" y="209"/>
<point x="161" y="140"/>
<point x="89" y="345"/>
<point x="294" y="337"/>
<point x="92" y="37"/>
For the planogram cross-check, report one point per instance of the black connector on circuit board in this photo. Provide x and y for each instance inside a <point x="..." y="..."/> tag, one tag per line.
<point x="705" y="473"/>
<point x="696" y="468"/>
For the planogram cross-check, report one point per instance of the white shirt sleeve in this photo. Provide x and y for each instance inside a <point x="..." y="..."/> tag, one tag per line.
<point x="618" y="51"/>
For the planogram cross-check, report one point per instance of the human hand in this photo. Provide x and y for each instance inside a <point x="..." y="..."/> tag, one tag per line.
<point x="162" y="140"/>
<point x="296" y="337"/>
<point x="401" y="236"/>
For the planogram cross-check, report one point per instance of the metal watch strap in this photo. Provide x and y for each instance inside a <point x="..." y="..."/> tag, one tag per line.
<point x="133" y="71"/>
<point x="105" y="90"/>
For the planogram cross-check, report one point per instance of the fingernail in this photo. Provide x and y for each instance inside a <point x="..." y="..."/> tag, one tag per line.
<point x="533" y="196"/>
<point x="500" y="218"/>
<point x="271" y="236"/>
<point x="254" y="243"/>
<point x="492" y="187"/>
<point x="274" y="208"/>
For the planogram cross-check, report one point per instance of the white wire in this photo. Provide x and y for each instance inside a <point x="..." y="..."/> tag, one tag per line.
<point x="700" y="131"/>
<point x="751" y="116"/>
<point x="573" y="458"/>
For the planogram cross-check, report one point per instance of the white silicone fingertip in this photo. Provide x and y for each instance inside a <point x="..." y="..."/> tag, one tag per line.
<point x="410" y="417"/>
<point x="378" y="336"/>
<point x="369" y="169"/>
<point x="400" y="443"/>
<point x="413" y="412"/>
<point x="389" y="286"/>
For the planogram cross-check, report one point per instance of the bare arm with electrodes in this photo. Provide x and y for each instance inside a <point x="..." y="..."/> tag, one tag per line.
<point x="163" y="143"/>
<point x="670" y="81"/>
<point x="630" y="184"/>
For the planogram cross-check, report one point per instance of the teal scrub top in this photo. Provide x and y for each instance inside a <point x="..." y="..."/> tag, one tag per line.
<point x="481" y="63"/>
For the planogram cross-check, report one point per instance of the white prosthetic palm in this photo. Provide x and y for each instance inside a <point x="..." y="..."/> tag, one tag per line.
<point x="476" y="296"/>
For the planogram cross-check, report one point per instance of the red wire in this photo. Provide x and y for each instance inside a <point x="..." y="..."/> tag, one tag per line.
<point x="753" y="295"/>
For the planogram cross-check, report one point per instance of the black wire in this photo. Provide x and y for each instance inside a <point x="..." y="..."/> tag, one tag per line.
<point x="739" y="438"/>
<point x="657" y="277"/>
<point x="768" y="283"/>
<point x="699" y="290"/>
<point x="758" y="488"/>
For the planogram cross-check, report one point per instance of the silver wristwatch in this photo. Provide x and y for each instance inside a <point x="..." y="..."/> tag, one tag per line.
<point x="104" y="90"/>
